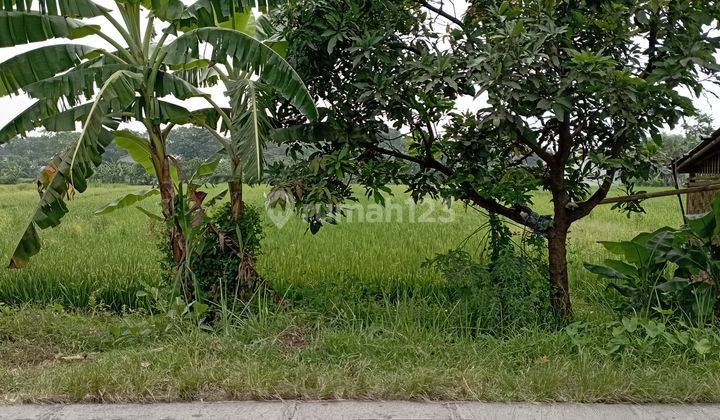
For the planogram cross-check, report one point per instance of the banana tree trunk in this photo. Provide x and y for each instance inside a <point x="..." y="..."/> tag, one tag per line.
<point x="237" y="206"/>
<point x="162" y="164"/>
<point x="167" y="197"/>
<point x="248" y="279"/>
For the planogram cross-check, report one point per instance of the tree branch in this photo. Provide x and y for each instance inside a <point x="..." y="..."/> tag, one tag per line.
<point x="652" y="48"/>
<point x="468" y="191"/>
<point x="584" y="208"/>
<point x="424" y="162"/>
<point x="515" y="213"/>
<point x="442" y="13"/>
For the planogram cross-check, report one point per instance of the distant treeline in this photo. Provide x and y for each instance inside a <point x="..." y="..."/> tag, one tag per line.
<point x="21" y="159"/>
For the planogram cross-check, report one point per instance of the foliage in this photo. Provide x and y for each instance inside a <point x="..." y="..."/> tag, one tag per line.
<point x="220" y="251"/>
<point x="127" y="80"/>
<point x="575" y="91"/>
<point x="670" y="272"/>
<point x="224" y="245"/>
<point x="675" y="146"/>
<point x="10" y="172"/>
<point x="122" y="173"/>
<point x="502" y="296"/>
<point x="643" y="336"/>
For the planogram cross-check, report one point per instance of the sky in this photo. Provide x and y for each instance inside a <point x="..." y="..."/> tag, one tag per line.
<point x="11" y="106"/>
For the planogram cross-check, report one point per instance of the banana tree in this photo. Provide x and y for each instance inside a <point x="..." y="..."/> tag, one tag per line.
<point x="251" y="98"/>
<point x="127" y="80"/>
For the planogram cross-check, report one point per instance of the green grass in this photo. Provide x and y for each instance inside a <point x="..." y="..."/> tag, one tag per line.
<point x="361" y="319"/>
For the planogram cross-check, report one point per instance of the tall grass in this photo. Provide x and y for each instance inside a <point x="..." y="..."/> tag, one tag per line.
<point x="107" y="259"/>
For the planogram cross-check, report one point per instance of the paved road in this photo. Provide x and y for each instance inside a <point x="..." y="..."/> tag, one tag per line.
<point x="359" y="410"/>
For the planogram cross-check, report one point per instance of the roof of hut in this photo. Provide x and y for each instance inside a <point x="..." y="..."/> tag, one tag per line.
<point x="709" y="146"/>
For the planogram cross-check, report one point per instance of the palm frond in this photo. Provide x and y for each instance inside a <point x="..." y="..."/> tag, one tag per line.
<point x="76" y="84"/>
<point x="52" y="207"/>
<point x="118" y="93"/>
<point x="74" y="166"/>
<point x="68" y="8"/>
<point x="170" y="84"/>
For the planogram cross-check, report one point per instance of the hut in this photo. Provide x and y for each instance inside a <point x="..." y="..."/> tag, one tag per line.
<point x="702" y="166"/>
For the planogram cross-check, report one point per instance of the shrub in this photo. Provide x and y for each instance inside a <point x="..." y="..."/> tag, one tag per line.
<point x="507" y="294"/>
<point x="122" y="173"/>
<point x="9" y="173"/>
<point x="220" y="249"/>
<point x="670" y="272"/>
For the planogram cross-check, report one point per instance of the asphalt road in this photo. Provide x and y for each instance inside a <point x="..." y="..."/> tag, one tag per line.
<point x="359" y="410"/>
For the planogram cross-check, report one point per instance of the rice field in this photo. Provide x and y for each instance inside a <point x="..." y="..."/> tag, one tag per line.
<point x="108" y="258"/>
<point x="361" y="319"/>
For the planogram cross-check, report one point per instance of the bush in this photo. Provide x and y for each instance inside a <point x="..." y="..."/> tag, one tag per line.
<point x="122" y="173"/>
<point x="9" y="173"/>
<point x="500" y="297"/>
<point x="670" y="273"/>
<point x="220" y="250"/>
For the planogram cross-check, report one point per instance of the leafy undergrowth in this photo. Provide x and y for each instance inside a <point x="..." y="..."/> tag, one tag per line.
<point x="50" y="355"/>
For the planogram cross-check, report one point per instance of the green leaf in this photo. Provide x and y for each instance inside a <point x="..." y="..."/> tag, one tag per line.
<point x="45" y="62"/>
<point x="630" y="324"/>
<point x="18" y="28"/>
<point x="76" y="165"/>
<point x="207" y="168"/>
<point x="68" y="8"/>
<point x="209" y="13"/>
<point x="605" y="271"/>
<point x="137" y="147"/>
<point x="149" y="214"/>
<point x="250" y="101"/>
<point x="244" y="22"/>
<point x="118" y="92"/>
<point x="247" y="54"/>
<point x="633" y="252"/>
<point x="126" y="201"/>
<point x="47" y="115"/>
<point x="29" y="245"/>
<point x="52" y="207"/>
<point x="703" y="226"/>
<point x="653" y="329"/>
<point x="74" y="85"/>
<point x="27" y="120"/>
<point x="702" y="346"/>
<point x="167" y="10"/>
<point x="169" y="84"/>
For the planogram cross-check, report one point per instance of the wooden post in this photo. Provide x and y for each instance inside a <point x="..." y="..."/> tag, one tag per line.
<point x="679" y="196"/>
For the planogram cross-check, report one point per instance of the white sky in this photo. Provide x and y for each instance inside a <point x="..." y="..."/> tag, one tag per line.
<point x="11" y="106"/>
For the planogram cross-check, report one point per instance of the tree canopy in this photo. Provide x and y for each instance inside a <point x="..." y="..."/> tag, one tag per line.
<point x="573" y="97"/>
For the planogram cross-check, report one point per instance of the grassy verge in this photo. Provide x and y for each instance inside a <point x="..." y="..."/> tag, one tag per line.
<point x="363" y="320"/>
<point x="55" y="356"/>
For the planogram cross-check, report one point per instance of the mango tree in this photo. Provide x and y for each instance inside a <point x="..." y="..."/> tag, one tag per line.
<point x="571" y="98"/>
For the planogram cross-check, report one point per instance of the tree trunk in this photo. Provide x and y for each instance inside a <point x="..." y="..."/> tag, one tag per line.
<point x="557" y="260"/>
<point x="248" y="279"/>
<point x="167" y="198"/>
<point x="237" y="206"/>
